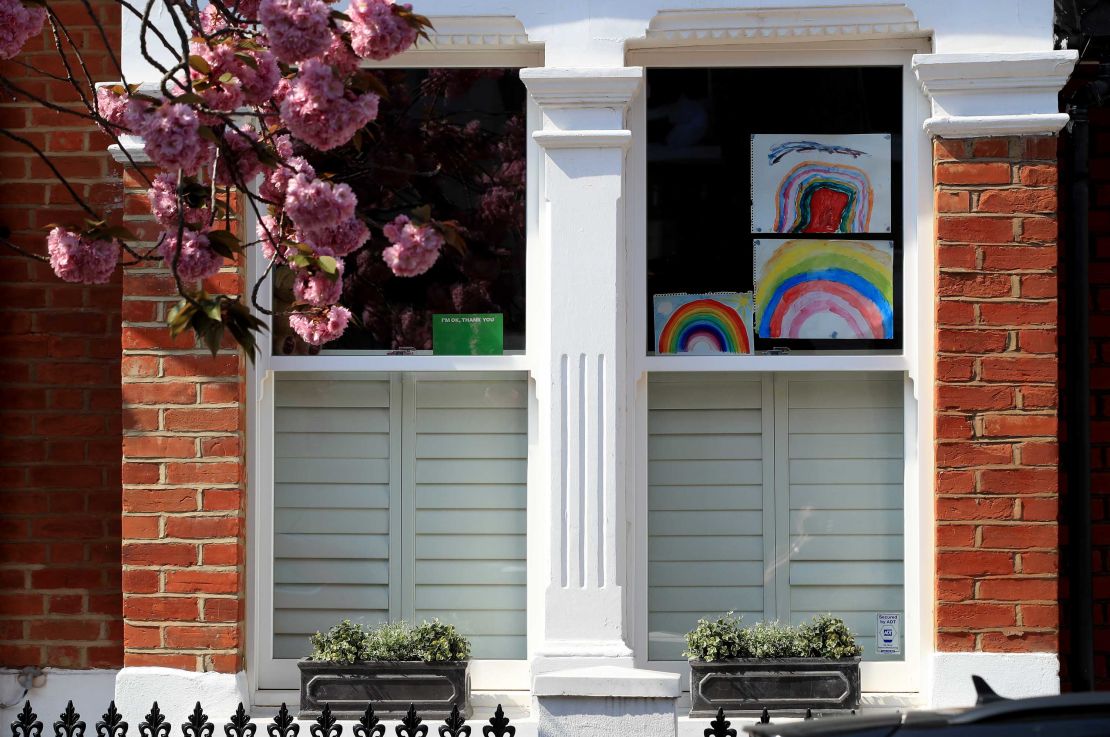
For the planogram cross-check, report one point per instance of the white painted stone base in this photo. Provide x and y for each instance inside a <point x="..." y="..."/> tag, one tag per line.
<point x="1014" y="675"/>
<point x="90" y="691"/>
<point x="177" y="692"/>
<point x="608" y="700"/>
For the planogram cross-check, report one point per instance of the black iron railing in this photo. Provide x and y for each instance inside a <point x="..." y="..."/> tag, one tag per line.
<point x="111" y="724"/>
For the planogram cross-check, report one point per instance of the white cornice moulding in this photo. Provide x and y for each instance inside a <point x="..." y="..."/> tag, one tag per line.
<point x="994" y="94"/>
<point x="459" y="31"/>
<point x="553" y="139"/>
<point x="675" y="28"/>
<point x="582" y="88"/>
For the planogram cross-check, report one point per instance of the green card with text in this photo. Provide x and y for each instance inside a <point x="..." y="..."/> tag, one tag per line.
<point x="468" y="335"/>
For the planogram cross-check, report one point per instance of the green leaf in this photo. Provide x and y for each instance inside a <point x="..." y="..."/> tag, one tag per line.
<point x="226" y="77"/>
<point x="328" y="264"/>
<point x="225" y="239"/>
<point x="197" y="62"/>
<point x="247" y="59"/>
<point x="189" y="98"/>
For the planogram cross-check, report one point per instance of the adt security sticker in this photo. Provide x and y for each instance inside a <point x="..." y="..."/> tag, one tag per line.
<point x="888" y="633"/>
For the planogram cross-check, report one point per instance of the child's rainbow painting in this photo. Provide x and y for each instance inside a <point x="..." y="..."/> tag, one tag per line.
<point x="704" y="323"/>
<point x="824" y="289"/>
<point x="821" y="183"/>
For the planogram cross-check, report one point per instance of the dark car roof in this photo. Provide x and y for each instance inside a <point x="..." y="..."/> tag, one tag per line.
<point x="996" y="711"/>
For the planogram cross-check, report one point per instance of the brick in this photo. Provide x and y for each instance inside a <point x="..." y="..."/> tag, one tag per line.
<point x="976" y="615"/>
<point x="990" y="148"/>
<point x="1037" y="175"/>
<point x="1040" y="615"/>
<point x="972" y="341"/>
<point x="1020" y="642"/>
<point x="1019" y="369"/>
<point x="141" y="581"/>
<point x="162" y="660"/>
<point x="197" y="582"/>
<point x="1019" y="258"/>
<point x="973" y="173"/>
<point x="954" y="427"/>
<point x="221" y="554"/>
<point x="160" y="393"/>
<point x="1040" y="454"/>
<point x="202" y="419"/>
<point x="973" y="454"/>
<point x="974" y="285"/>
<point x="1018" y="481"/>
<point x="1040" y="509"/>
<point x="974" y="509"/>
<point x="141" y="638"/>
<point x="160" y="609"/>
<point x="1019" y="425"/>
<point x="159" y="500"/>
<point x="975" y="229"/>
<point x="1039" y="230"/>
<point x="955" y="642"/>
<point x="1042" y="148"/>
<point x="1020" y="200"/>
<point x="974" y="563"/>
<point x="1019" y="314"/>
<point x="158" y="447"/>
<point x="205" y="473"/>
<point x="972" y="398"/>
<point x="955" y="368"/>
<point x="955" y="536"/>
<point x="1018" y="589"/>
<point x="953" y="201"/>
<point x="202" y="527"/>
<point x="1020" y="537"/>
<point x="159" y="554"/>
<point x="222" y="610"/>
<point x="212" y="637"/>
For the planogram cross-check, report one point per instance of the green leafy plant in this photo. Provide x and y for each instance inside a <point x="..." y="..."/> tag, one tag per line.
<point x="438" y="642"/>
<point x="717" y="639"/>
<point x="431" y="642"/>
<point x="724" y="638"/>
<point x="343" y="643"/>
<point x="826" y="636"/>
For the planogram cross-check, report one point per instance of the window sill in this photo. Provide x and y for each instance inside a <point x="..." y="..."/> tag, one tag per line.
<point x="778" y="362"/>
<point x="381" y="362"/>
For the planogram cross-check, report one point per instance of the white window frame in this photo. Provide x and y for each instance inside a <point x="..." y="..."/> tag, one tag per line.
<point x="473" y="42"/>
<point x="915" y="359"/>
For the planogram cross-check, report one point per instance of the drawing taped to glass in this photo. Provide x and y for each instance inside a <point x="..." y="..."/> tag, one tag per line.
<point x="821" y="183"/>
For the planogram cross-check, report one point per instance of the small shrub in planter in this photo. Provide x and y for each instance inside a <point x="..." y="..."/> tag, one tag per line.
<point x="391" y="666"/>
<point x="781" y="667"/>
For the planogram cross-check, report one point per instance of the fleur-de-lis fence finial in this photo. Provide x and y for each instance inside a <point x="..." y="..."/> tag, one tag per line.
<point x="368" y="724"/>
<point x="499" y="725"/>
<point x="283" y="724"/>
<point x="155" y="724"/>
<point x="69" y="724"/>
<point x="411" y="726"/>
<point x="326" y="725"/>
<point x="198" y="724"/>
<point x="455" y="725"/>
<point x="765" y="717"/>
<point x="240" y="724"/>
<point x="719" y="727"/>
<point x="27" y="724"/>
<point x="111" y="724"/>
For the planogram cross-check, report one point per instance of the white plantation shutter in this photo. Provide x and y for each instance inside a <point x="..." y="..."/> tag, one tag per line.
<point x="470" y="440"/>
<point x="705" y="503"/>
<point x="843" y="476"/>
<point x="333" y="487"/>
<point x="400" y="497"/>
<point x="777" y="496"/>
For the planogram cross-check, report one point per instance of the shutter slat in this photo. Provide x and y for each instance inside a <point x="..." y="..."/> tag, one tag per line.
<point x="471" y="471"/>
<point x="705" y="503"/>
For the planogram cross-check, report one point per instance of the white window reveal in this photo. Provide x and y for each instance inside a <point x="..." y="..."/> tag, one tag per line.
<point x="400" y="496"/>
<point x="777" y="496"/>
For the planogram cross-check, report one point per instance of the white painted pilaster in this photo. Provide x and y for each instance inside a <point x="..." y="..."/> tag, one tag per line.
<point x="577" y="334"/>
<point x="994" y="94"/>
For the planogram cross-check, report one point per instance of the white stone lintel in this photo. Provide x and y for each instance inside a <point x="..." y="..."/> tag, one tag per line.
<point x="994" y="94"/>
<point x="609" y="681"/>
<point x="1012" y="675"/>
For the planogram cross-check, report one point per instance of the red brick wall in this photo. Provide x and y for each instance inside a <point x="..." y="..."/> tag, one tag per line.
<point x="997" y="395"/>
<point x="183" y="554"/>
<point x="59" y="372"/>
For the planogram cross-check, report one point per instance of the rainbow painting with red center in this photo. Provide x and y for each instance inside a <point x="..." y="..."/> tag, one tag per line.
<point x="824" y="289"/>
<point x="704" y="323"/>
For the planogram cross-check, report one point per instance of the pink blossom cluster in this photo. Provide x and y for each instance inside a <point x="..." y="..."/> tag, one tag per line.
<point x="164" y="205"/>
<point x="377" y="30"/>
<point x="270" y="234"/>
<point x="123" y="113"/>
<point x="316" y="287"/>
<point x="415" y="248"/>
<point x="238" y="159"/>
<point x="171" y="137"/>
<point x="251" y="83"/>
<point x="18" y="24"/>
<point x="78" y="258"/>
<point x="296" y="29"/>
<point x="196" y="259"/>
<point x="275" y="184"/>
<point x="314" y="204"/>
<point x="319" y="110"/>
<point x="341" y="239"/>
<point x="320" y="326"/>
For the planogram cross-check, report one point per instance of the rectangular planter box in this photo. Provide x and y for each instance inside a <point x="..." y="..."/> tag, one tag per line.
<point x="433" y="688"/>
<point x="786" y="686"/>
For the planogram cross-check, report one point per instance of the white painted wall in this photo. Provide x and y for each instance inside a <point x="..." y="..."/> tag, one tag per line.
<point x="90" y="691"/>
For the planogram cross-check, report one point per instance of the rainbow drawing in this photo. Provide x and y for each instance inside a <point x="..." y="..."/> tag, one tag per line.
<point x="703" y="323"/>
<point x="816" y="197"/>
<point x="821" y="184"/>
<point x="824" y="289"/>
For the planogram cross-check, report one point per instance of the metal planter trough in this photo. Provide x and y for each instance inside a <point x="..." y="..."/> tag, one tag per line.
<point x="392" y="686"/>
<point x="787" y="686"/>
